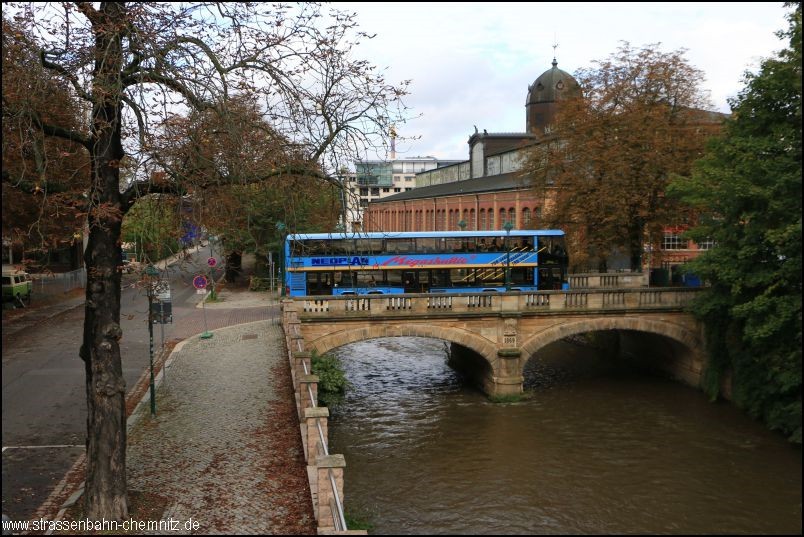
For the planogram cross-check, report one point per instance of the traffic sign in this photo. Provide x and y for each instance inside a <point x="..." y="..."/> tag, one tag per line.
<point x="212" y="261"/>
<point x="162" y="291"/>
<point x="200" y="282"/>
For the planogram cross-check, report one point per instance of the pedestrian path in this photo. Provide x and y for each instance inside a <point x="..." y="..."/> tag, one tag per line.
<point x="224" y="447"/>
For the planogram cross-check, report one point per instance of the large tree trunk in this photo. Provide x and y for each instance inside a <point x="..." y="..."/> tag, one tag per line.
<point x="635" y="246"/>
<point x="105" y="493"/>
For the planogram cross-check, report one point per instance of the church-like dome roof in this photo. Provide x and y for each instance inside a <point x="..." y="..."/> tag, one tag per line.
<point x="551" y="86"/>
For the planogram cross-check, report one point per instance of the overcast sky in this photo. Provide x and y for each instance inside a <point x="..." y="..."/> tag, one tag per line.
<point x="471" y="63"/>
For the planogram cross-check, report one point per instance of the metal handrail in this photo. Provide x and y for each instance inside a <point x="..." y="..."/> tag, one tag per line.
<point x="340" y="520"/>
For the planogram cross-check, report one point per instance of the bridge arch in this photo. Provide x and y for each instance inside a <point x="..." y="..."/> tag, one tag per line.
<point x="686" y="366"/>
<point x="686" y="337"/>
<point x="482" y="346"/>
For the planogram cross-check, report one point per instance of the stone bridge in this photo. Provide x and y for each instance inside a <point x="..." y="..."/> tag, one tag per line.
<point x="504" y="331"/>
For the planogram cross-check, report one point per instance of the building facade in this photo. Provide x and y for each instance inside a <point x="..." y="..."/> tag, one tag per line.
<point x="374" y="180"/>
<point x="486" y="191"/>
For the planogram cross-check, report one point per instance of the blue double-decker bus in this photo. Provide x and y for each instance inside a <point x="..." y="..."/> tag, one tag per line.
<point x="425" y="262"/>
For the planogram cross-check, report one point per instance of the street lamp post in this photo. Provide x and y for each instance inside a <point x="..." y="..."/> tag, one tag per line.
<point x="151" y="272"/>
<point x="281" y="227"/>
<point x="508" y="226"/>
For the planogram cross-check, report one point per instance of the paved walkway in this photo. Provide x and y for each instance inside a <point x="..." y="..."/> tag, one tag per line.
<point x="224" y="448"/>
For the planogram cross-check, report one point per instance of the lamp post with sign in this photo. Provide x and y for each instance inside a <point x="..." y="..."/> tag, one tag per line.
<point x="508" y="226"/>
<point x="151" y="272"/>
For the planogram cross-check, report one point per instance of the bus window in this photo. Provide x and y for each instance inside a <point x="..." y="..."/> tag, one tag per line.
<point x="368" y="246"/>
<point x="394" y="278"/>
<point x="399" y="246"/>
<point x="344" y="279"/>
<point x="455" y="245"/>
<point x="522" y="275"/>
<point x="525" y="244"/>
<point x="319" y="283"/>
<point x="426" y="245"/>
<point x="440" y="278"/>
<point x="313" y="247"/>
<point x="491" y="276"/>
<point x="341" y="246"/>
<point x="369" y="278"/>
<point x="550" y="279"/>
<point x="462" y="277"/>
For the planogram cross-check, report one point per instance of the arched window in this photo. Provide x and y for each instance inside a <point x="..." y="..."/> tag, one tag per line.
<point x="466" y="218"/>
<point x="525" y="218"/>
<point x="491" y="220"/>
<point x="482" y="222"/>
<point x="502" y="218"/>
<point x="512" y="217"/>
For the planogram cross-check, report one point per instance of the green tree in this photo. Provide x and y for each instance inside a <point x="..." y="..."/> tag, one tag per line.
<point x="153" y="225"/>
<point x="747" y="193"/>
<point x="640" y="117"/>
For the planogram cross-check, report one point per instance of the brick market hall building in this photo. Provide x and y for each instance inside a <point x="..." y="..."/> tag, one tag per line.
<point x="487" y="190"/>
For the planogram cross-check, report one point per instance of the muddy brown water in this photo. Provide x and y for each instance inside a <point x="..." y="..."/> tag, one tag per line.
<point x="595" y="450"/>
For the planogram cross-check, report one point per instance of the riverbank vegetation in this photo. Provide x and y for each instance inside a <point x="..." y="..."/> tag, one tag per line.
<point x="332" y="383"/>
<point x="746" y="192"/>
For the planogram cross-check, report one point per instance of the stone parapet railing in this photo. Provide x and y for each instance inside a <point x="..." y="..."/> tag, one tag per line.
<point x="489" y="303"/>
<point x="324" y="470"/>
<point x="608" y="280"/>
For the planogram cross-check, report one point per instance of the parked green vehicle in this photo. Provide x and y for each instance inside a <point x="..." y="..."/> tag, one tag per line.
<point x="17" y="286"/>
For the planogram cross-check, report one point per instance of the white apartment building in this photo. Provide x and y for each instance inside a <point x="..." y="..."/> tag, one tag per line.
<point x="376" y="179"/>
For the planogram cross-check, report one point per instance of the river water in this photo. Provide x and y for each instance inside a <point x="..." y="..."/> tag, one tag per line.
<point x="594" y="450"/>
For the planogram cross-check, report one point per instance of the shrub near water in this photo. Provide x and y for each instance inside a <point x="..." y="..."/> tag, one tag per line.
<point x="332" y="383"/>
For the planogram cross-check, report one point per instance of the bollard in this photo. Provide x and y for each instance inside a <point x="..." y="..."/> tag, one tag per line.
<point x="314" y="417"/>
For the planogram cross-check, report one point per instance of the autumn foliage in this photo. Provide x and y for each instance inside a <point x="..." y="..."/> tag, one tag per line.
<point x="640" y="119"/>
<point x="43" y="177"/>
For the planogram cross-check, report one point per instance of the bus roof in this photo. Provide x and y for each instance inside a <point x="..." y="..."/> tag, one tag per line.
<point x="425" y="234"/>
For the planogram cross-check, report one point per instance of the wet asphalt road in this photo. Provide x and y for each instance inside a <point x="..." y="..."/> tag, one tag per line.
<point x="43" y="396"/>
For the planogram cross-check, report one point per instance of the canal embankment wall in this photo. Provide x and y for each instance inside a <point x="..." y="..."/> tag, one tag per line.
<point x="325" y="470"/>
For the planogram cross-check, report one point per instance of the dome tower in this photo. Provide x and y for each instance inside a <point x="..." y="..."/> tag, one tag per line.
<point x="544" y="94"/>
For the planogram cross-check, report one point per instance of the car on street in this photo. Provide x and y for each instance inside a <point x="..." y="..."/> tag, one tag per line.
<point x="17" y="286"/>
